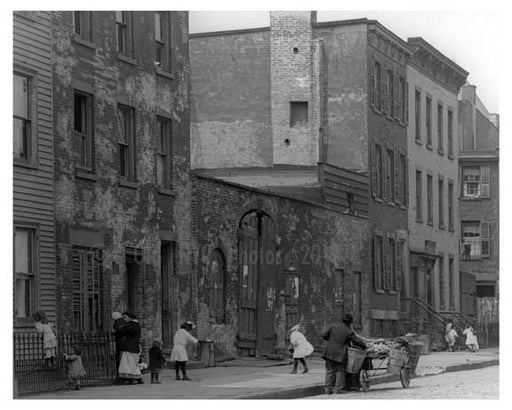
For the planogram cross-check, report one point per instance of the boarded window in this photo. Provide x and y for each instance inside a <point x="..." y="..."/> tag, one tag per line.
<point x="298" y="113"/>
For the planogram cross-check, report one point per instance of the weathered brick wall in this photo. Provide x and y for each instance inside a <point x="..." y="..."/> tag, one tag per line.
<point x="294" y="57"/>
<point x="230" y="100"/>
<point x="487" y="133"/>
<point x="140" y="215"/>
<point x="317" y="240"/>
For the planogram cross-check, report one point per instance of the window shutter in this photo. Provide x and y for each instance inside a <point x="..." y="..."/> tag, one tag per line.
<point x="397" y="179"/>
<point x="372" y="83"/>
<point x="485" y="176"/>
<point x="406" y="102"/>
<point x="486" y="238"/>
<point x="385" y="268"/>
<point x="396" y="92"/>
<point x="383" y="174"/>
<point x="406" y="164"/>
<point x="384" y="88"/>
<point x="399" y="267"/>
<point x="375" y="263"/>
<point x="373" y="165"/>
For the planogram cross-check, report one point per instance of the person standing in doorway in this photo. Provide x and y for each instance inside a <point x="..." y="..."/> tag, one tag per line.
<point x="179" y="352"/>
<point x="301" y="348"/>
<point x="338" y="338"/>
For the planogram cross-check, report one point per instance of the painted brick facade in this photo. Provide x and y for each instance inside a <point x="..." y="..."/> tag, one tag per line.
<point x="98" y="211"/>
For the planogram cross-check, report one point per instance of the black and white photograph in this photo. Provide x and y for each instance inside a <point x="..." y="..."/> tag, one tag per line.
<point x="279" y="203"/>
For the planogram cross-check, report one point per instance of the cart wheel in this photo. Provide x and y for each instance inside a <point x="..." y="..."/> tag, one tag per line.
<point x="405" y="377"/>
<point x="364" y="380"/>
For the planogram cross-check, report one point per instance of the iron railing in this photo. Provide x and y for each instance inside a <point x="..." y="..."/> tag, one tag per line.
<point x="32" y="374"/>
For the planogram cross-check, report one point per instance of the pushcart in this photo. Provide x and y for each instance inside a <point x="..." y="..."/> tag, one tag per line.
<point x="401" y="361"/>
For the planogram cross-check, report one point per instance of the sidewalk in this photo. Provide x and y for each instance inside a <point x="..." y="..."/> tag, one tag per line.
<point x="253" y="381"/>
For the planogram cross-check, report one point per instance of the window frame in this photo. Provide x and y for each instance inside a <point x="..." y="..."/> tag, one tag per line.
<point x="451" y="204"/>
<point x="428" y="119"/>
<point x="430" y="199"/>
<point x="31" y="106"/>
<point x="124" y="31"/>
<point x="298" y="121"/>
<point x="128" y="143"/>
<point x="88" y="136"/>
<point x="417" y="115"/>
<point x="440" y="128"/>
<point x="419" y="195"/>
<point x="163" y="45"/>
<point x="449" y="120"/>
<point x="164" y="150"/>
<point x="34" y="276"/>
<point x="451" y="282"/>
<point x="390" y="176"/>
<point x="440" y="201"/>
<point x="378" y="263"/>
<point x="82" y="24"/>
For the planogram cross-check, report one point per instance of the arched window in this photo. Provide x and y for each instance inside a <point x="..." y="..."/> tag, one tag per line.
<point x="217" y="286"/>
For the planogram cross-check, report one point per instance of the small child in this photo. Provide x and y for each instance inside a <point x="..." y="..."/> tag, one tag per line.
<point x="450" y="336"/>
<point x="179" y="351"/>
<point x="76" y="369"/>
<point x="156" y="361"/>
<point x="49" y="339"/>
<point x="471" y="340"/>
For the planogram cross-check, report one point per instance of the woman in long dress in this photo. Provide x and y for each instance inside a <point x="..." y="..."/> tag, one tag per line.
<point x="179" y="352"/>
<point x="130" y="349"/>
<point x="301" y="348"/>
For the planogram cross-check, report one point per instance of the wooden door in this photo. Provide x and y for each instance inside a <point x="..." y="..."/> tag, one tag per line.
<point x="168" y="293"/>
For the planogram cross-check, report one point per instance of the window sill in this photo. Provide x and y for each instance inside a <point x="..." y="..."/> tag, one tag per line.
<point x="25" y="164"/>
<point x="440" y="152"/>
<point x="381" y="291"/>
<point x="126" y="59"/>
<point x="417" y="141"/>
<point x="451" y="229"/>
<point x="441" y="227"/>
<point x="403" y="207"/>
<point x="479" y="198"/>
<point x="167" y="191"/>
<point x="128" y="184"/>
<point x="420" y="221"/>
<point x="430" y="223"/>
<point x="451" y="156"/>
<point x="379" y="200"/>
<point x="429" y="146"/>
<point x="24" y="323"/>
<point x="90" y="176"/>
<point x="83" y="42"/>
<point x="392" y="292"/>
<point x="164" y="73"/>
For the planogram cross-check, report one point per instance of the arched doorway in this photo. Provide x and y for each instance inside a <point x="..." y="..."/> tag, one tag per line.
<point x="257" y="248"/>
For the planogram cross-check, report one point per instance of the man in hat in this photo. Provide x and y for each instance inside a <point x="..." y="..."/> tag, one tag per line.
<point x="338" y="338"/>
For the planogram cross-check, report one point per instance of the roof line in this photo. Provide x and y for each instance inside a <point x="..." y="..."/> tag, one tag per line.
<point x="229" y="32"/>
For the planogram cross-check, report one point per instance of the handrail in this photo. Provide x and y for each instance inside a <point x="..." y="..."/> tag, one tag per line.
<point x="429" y="309"/>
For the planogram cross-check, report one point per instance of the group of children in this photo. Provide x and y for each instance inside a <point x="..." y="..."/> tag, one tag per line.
<point x="450" y="337"/>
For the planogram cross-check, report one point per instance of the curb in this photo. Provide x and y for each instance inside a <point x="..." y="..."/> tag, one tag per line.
<point x="318" y="389"/>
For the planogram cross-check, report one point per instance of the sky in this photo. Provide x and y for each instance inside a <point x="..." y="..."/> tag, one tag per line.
<point x="470" y="38"/>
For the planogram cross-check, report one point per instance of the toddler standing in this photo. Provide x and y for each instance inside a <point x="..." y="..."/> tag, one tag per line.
<point x="49" y="339"/>
<point x="156" y="361"/>
<point x="76" y="369"/>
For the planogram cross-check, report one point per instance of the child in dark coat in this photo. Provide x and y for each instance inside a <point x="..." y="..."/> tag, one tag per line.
<point x="76" y="369"/>
<point x="156" y="361"/>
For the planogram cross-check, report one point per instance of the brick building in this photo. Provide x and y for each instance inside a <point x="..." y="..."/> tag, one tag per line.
<point x="33" y="160"/>
<point x="479" y="197"/>
<point x="122" y="188"/>
<point x="291" y="110"/>
<point x="432" y="285"/>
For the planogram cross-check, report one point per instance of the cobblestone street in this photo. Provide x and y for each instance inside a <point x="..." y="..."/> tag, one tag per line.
<point x="472" y="384"/>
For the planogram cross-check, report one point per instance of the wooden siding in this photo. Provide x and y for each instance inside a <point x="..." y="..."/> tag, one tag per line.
<point x="33" y="192"/>
<point x="337" y="182"/>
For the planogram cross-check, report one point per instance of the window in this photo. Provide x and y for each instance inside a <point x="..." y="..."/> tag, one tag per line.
<point x="390" y="180"/>
<point x="450" y="206"/>
<point x="476" y="182"/>
<point x="450" y="132"/>
<point x="124" y="32"/>
<point x="82" y="22"/>
<point x="451" y="283"/>
<point x="440" y="201"/>
<point x="442" y="297"/>
<point x="392" y="263"/>
<point x="440" y="128"/>
<point x="217" y="286"/>
<point x="475" y="239"/>
<point x="133" y="264"/>
<point x="403" y="99"/>
<point x="162" y="40"/>
<point x="400" y="270"/>
<point x="428" y="120"/>
<point x="391" y="93"/>
<point x="430" y="200"/>
<point x="298" y="113"/>
<point x="378" y="85"/>
<point x="378" y="170"/>
<point x="127" y="151"/>
<point x="164" y="152"/>
<point x="403" y="172"/>
<point x="22" y="117"/>
<point x="83" y="129"/>
<point x="417" y="115"/>
<point x="378" y="263"/>
<point x="350" y="203"/>
<point x="486" y="290"/>
<point x="419" y="213"/>
<point x="25" y="270"/>
<point x="87" y="289"/>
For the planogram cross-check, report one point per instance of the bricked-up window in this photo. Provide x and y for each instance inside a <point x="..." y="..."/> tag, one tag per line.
<point x="163" y="40"/>
<point x="124" y="32"/>
<point x="217" y="283"/>
<point x="390" y="175"/>
<point x="440" y="201"/>
<point x="82" y="24"/>
<point x="440" y="143"/>
<point x="83" y="129"/>
<point x="164" y="152"/>
<point x="417" y="115"/>
<point x="25" y="271"/>
<point x="298" y="113"/>
<point x="87" y="289"/>
<point x="391" y="93"/>
<point x="378" y="171"/>
<point x="450" y="132"/>
<point x="419" y="197"/>
<point x="428" y="119"/>
<point x="450" y="207"/>
<point x="451" y="283"/>
<point x="22" y="117"/>
<point x="430" y="200"/>
<point x="127" y="152"/>
<point x="378" y="262"/>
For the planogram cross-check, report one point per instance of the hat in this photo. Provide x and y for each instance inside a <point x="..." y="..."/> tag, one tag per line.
<point x="191" y="324"/>
<point x="296" y="327"/>
<point x="347" y="318"/>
